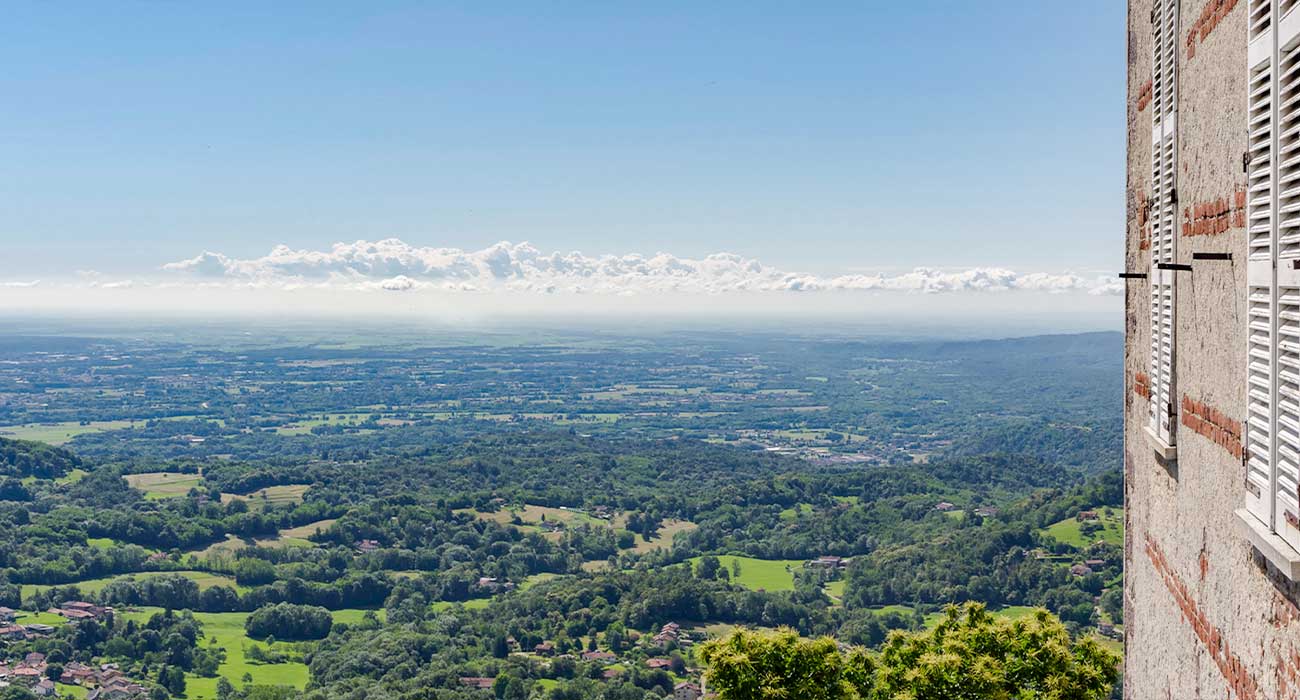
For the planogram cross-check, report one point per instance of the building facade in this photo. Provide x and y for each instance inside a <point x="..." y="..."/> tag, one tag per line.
<point x="1212" y="359"/>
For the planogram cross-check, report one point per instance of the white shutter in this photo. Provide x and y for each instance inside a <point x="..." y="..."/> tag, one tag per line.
<point x="1259" y="267"/>
<point x="1273" y="267"/>
<point x="1286" y="515"/>
<point x="1164" y="170"/>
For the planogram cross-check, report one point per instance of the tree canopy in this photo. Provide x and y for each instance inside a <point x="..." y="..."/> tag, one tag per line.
<point x="969" y="655"/>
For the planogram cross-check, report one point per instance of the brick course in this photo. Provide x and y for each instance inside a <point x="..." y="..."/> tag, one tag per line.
<point x="1211" y="14"/>
<point x="1142" y="385"/>
<point x="1239" y="678"/>
<point x="1216" y="216"/>
<point x="1210" y="423"/>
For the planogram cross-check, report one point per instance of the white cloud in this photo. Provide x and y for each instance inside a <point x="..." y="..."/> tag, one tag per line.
<point x="20" y="285"/>
<point x="393" y="265"/>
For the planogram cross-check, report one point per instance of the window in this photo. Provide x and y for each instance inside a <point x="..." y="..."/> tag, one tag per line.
<point x="1272" y="439"/>
<point x="1162" y="427"/>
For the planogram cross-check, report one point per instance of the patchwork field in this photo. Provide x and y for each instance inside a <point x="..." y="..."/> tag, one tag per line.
<point x="270" y="496"/>
<point x="158" y="485"/>
<point x="532" y="516"/>
<point x="60" y="433"/>
<point x="764" y="574"/>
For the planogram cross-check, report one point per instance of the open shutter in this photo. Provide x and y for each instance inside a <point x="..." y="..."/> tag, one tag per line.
<point x="1273" y="268"/>
<point x="1164" y="205"/>
<point x="1259" y="267"/>
<point x="1287" y="276"/>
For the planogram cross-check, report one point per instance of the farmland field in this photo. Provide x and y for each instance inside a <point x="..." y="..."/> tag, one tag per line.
<point x="271" y="495"/>
<point x="156" y="485"/>
<point x="60" y="433"/>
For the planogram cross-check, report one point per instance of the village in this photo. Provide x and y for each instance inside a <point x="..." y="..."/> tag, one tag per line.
<point x="41" y="674"/>
<point x="670" y="636"/>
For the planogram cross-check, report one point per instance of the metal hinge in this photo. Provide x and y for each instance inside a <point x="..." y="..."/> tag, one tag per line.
<point x="1245" y="162"/>
<point x="1173" y="197"/>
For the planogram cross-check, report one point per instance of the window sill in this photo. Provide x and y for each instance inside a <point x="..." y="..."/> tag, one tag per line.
<point x="1164" y="450"/>
<point x="1274" y="548"/>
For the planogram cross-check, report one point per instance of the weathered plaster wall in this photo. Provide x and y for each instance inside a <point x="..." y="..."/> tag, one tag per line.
<point x="1204" y="617"/>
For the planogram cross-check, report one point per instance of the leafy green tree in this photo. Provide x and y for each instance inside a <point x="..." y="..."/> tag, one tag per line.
<point x="749" y="665"/>
<point x="969" y="655"/>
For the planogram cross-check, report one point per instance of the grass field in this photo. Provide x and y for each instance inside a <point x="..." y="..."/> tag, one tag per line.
<point x="71" y="691"/>
<point x="1069" y="531"/>
<point x="158" y="485"/>
<point x="664" y="539"/>
<point x="303" y="532"/>
<point x="41" y="618"/>
<point x="204" y="579"/>
<point x="471" y="604"/>
<point x="536" y="579"/>
<point x="353" y="616"/>
<point x="1010" y="612"/>
<point x="59" y="433"/>
<point x="765" y="574"/>
<point x="270" y="496"/>
<point x="72" y="477"/>
<point x="228" y="631"/>
<point x="792" y="513"/>
<point x="835" y="589"/>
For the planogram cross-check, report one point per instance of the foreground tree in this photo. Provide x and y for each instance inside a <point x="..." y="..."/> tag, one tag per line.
<point x="969" y="655"/>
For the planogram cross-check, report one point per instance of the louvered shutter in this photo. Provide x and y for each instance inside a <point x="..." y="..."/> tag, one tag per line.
<point x="1259" y="267"/>
<point x="1164" y="170"/>
<point x="1286" y="146"/>
<point x="1273" y="268"/>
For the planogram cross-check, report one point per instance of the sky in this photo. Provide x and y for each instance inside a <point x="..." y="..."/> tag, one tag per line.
<point x="438" y="156"/>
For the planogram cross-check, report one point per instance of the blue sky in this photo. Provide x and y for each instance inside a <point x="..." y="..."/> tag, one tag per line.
<point x="832" y="138"/>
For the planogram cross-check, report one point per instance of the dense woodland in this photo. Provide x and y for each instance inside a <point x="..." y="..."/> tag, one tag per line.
<point x="487" y="500"/>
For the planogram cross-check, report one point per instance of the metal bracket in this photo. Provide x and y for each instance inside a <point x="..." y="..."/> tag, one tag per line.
<point x="1132" y="275"/>
<point x="1211" y="256"/>
<point x="1174" y="266"/>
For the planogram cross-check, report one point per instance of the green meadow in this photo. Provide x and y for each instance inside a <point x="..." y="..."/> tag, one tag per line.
<point x="765" y="574"/>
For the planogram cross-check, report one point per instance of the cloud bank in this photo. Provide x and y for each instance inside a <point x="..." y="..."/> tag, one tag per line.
<point x="391" y="265"/>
